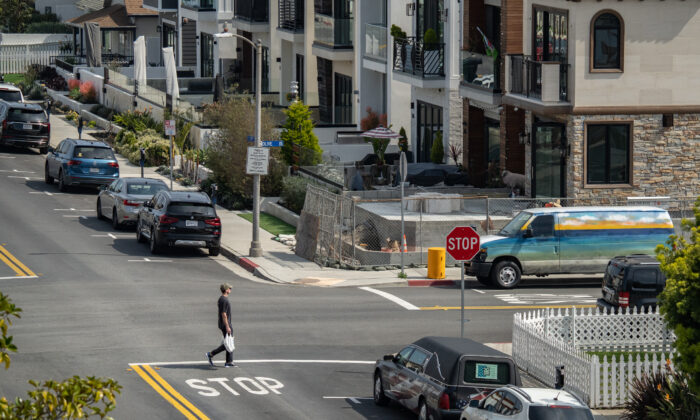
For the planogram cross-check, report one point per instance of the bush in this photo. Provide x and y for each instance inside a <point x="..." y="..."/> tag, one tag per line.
<point x="294" y="192"/>
<point x="103" y="111"/>
<point x="437" y="152"/>
<point x="138" y="121"/>
<point x="35" y="92"/>
<point x="155" y="146"/>
<point x="663" y="395"/>
<point x="73" y="84"/>
<point x="48" y="28"/>
<point x="56" y="83"/>
<point x="88" y="94"/>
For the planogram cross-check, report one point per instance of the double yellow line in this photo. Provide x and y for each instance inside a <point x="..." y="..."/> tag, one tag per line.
<point x="152" y="378"/>
<point x="16" y="265"/>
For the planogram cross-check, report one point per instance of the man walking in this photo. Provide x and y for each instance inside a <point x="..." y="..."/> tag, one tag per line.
<point x="224" y="316"/>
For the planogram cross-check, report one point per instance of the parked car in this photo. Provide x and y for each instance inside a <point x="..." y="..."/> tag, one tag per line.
<point x="634" y="281"/>
<point x="513" y="403"/>
<point x="10" y="93"/>
<point x="81" y="162"/>
<point x="24" y="125"/>
<point x="122" y="199"/>
<point x="427" y="177"/>
<point x="567" y="240"/>
<point x="179" y="218"/>
<point x="435" y="376"/>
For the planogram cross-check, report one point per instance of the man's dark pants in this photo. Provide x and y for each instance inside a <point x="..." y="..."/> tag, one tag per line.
<point x="229" y="354"/>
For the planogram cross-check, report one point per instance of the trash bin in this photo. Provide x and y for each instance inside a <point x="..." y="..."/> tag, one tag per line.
<point x="469" y="66"/>
<point x="436" y="263"/>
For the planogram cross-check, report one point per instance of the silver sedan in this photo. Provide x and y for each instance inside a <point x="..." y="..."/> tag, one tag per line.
<point x="121" y="200"/>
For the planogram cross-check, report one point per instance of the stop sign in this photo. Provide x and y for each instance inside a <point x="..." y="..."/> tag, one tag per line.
<point x="462" y="243"/>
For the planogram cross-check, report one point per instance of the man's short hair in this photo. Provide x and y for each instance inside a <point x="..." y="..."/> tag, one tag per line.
<point x="224" y="287"/>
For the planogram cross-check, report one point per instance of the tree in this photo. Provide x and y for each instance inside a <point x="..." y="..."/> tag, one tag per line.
<point x="403" y="140"/>
<point x="298" y="132"/>
<point x="437" y="151"/>
<point x="679" y="301"/>
<point x="372" y="120"/>
<point x="15" y="15"/>
<point x="71" y="399"/>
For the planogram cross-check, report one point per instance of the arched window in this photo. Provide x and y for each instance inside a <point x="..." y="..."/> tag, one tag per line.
<point x="607" y="41"/>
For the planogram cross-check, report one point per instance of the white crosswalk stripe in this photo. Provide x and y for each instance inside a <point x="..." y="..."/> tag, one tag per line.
<point x="544" y="298"/>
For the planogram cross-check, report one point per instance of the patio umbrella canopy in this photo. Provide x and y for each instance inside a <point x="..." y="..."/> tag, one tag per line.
<point x="140" y="60"/>
<point x="93" y="44"/>
<point x="380" y="133"/>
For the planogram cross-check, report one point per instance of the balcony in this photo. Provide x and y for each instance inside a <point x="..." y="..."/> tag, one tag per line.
<point x="537" y="85"/>
<point x="291" y="15"/>
<point x="480" y="77"/>
<point x="251" y="15"/>
<point x="418" y="63"/>
<point x="375" y="42"/>
<point x="333" y="37"/>
<point x="200" y="5"/>
<point x="160" y="5"/>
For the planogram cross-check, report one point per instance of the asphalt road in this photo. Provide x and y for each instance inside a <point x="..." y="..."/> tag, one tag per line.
<point x="95" y="302"/>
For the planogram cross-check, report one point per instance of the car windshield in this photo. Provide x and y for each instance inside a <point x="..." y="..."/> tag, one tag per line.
<point x="91" y="152"/>
<point x="27" y="115"/>
<point x="144" y="188"/>
<point x="513" y="227"/>
<point x="539" y="412"/>
<point x="10" y="95"/>
<point x="486" y="372"/>
<point x="203" y="209"/>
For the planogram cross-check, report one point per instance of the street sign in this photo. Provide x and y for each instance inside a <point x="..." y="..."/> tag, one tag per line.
<point x="257" y="161"/>
<point x="272" y="143"/>
<point x="463" y="243"/>
<point x="251" y="139"/>
<point x="169" y="127"/>
<point x="403" y="167"/>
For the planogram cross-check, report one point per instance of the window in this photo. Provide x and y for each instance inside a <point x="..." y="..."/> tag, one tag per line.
<point x="491" y="402"/>
<point x="608" y="153"/>
<point x="207" y="55"/>
<point x="543" y="226"/>
<point x="47" y="10"/>
<point x="402" y="357"/>
<point x="89" y="152"/>
<point x="417" y="360"/>
<point x="144" y="189"/>
<point x="486" y="372"/>
<point x="606" y="42"/>
<point x="510" y="404"/>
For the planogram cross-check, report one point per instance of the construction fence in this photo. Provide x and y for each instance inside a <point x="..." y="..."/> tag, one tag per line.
<point x="355" y="232"/>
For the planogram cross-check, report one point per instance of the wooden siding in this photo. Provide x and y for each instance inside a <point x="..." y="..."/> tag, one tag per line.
<point x="512" y="27"/>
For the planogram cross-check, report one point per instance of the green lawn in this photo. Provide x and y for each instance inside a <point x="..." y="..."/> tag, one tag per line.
<point x="14" y="78"/>
<point x="271" y="224"/>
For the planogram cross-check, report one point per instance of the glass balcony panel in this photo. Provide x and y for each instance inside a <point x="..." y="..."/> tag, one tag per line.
<point x="375" y="41"/>
<point x="334" y="32"/>
<point x="526" y="77"/>
<point x="412" y="56"/>
<point x="251" y="10"/>
<point x="291" y="15"/>
<point x="480" y="70"/>
<point x="199" y="4"/>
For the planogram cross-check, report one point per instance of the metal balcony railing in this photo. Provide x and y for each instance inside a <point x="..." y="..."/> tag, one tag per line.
<point x="481" y="70"/>
<point x="291" y="15"/>
<point x="528" y="78"/>
<point x="251" y="10"/>
<point x="199" y="4"/>
<point x="375" y="41"/>
<point x="413" y="56"/>
<point x="334" y="32"/>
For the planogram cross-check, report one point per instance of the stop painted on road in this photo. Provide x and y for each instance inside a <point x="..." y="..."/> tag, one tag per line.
<point x="260" y="385"/>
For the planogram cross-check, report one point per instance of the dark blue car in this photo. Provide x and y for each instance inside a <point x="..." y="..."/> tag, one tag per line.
<point x="81" y="162"/>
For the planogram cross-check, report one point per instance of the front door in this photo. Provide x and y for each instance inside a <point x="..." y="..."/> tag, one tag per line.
<point x="429" y="123"/>
<point x="549" y="160"/>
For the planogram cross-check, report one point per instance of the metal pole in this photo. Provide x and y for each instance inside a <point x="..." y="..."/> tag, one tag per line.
<point x="171" y="162"/>
<point x="403" y="233"/>
<point x="255" y="248"/>
<point x="461" y="333"/>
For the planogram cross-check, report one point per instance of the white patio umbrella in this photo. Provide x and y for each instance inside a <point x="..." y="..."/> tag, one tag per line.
<point x="140" y="60"/>
<point x="381" y="133"/>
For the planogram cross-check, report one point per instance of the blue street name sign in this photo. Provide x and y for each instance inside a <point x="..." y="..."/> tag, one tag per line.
<point x="251" y="139"/>
<point x="272" y="143"/>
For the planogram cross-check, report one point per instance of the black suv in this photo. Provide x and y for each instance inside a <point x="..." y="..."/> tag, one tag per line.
<point x="179" y="218"/>
<point x="24" y="125"/>
<point x="631" y="281"/>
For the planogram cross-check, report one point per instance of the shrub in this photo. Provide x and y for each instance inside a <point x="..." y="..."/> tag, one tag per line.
<point x="403" y="140"/>
<point x="56" y="83"/>
<point x="294" y="192"/>
<point x="48" y="28"/>
<point x="74" y="94"/>
<point x="103" y="111"/>
<point x="397" y="32"/>
<point x="73" y="84"/>
<point x="138" y="121"/>
<point x="298" y="131"/>
<point x="372" y="120"/>
<point x="35" y="92"/>
<point x="92" y="124"/>
<point x="88" y="94"/>
<point x="155" y="146"/>
<point x="437" y="152"/>
<point x="662" y="395"/>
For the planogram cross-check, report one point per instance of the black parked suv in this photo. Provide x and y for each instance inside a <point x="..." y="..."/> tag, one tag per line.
<point x="631" y="281"/>
<point x="24" y="125"/>
<point x="179" y="218"/>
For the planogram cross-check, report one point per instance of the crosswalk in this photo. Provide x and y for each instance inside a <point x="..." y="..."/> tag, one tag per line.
<point x="544" y="298"/>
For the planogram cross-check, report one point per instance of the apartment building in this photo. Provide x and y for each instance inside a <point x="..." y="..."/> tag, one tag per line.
<point x="587" y="99"/>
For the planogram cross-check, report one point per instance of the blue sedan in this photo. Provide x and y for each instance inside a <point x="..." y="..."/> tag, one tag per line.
<point x="81" y="162"/>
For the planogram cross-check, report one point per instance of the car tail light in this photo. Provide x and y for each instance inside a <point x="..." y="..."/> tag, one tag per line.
<point x="4" y="125"/>
<point x="559" y="406"/>
<point x="216" y="222"/>
<point x="74" y="162"/>
<point x="167" y="220"/>
<point x="113" y="164"/>
<point x="131" y="203"/>
<point x="624" y="299"/>
<point x="444" y="402"/>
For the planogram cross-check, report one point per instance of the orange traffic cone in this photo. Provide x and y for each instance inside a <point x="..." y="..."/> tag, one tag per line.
<point x="405" y="248"/>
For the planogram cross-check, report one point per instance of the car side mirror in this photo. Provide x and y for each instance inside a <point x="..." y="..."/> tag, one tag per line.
<point x="389" y="357"/>
<point x="474" y="403"/>
<point x="51" y="149"/>
<point x="528" y="233"/>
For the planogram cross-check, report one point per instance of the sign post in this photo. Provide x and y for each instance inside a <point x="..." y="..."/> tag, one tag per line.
<point x="169" y="128"/>
<point x="463" y="244"/>
<point x="257" y="160"/>
<point x="403" y="169"/>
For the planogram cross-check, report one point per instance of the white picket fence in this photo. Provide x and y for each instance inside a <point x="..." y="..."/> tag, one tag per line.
<point x="19" y="51"/>
<point x="545" y="339"/>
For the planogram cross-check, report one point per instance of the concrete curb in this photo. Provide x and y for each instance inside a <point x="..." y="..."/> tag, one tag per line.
<point x="430" y="282"/>
<point x="247" y="264"/>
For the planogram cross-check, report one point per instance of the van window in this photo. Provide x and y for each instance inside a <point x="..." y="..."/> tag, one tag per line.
<point x="613" y="275"/>
<point x="90" y="152"/>
<point x="514" y="226"/>
<point x="10" y="95"/>
<point x="543" y="226"/>
<point x="186" y="208"/>
<point x="27" y="115"/>
<point x="487" y="372"/>
<point x="402" y="357"/>
<point x="417" y="360"/>
<point x="645" y="278"/>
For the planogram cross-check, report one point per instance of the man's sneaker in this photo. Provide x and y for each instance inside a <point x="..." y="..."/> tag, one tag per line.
<point x="211" y="363"/>
<point x="227" y="365"/>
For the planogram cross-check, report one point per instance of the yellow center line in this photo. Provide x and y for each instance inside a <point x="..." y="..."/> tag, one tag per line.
<point x="12" y="266"/>
<point x="162" y="393"/>
<point x="176" y="394"/>
<point x="471" y="308"/>
<point x="27" y="271"/>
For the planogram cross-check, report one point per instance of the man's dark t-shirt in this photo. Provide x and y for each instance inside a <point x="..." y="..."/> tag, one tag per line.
<point x="225" y="307"/>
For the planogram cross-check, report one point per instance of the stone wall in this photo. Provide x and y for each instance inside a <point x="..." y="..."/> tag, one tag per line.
<point x="665" y="161"/>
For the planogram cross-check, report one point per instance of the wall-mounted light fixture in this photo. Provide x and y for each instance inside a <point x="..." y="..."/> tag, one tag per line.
<point x="158" y="28"/>
<point x="524" y="137"/>
<point x="444" y="15"/>
<point x="410" y="9"/>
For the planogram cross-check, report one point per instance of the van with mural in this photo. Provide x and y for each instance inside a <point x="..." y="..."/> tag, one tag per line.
<point x="567" y="240"/>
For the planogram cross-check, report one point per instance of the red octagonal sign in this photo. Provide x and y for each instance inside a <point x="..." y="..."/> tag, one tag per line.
<point x="463" y="243"/>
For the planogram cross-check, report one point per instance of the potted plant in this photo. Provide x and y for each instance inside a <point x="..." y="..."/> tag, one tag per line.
<point x="432" y="63"/>
<point x="403" y="140"/>
<point x="437" y="151"/>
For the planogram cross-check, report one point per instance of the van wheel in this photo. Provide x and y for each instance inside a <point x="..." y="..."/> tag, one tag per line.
<point x="485" y="280"/>
<point x="379" y="397"/>
<point x="214" y="251"/>
<point x="505" y="275"/>
<point x="62" y="187"/>
<point x="423" y="411"/>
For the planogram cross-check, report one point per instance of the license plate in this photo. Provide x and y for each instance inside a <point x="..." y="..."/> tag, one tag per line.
<point x="191" y="223"/>
<point x="94" y="170"/>
<point x="27" y="127"/>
